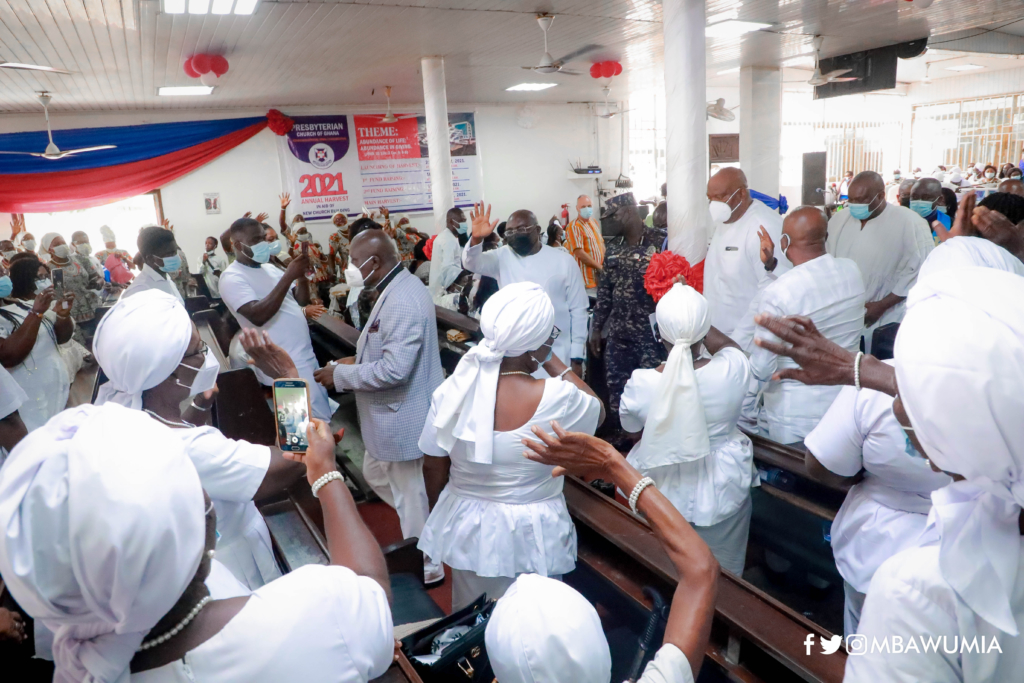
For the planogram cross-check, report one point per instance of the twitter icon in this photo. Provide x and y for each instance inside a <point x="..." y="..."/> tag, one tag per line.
<point x="831" y="645"/>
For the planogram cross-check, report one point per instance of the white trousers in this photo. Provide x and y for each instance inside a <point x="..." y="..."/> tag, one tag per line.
<point x="467" y="586"/>
<point x="400" y="485"/>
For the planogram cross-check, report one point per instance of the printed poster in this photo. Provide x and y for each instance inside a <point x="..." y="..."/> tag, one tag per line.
<point x="345" y="162"/>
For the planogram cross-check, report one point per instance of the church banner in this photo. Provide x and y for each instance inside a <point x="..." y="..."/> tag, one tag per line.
<point x="347" y="162"/>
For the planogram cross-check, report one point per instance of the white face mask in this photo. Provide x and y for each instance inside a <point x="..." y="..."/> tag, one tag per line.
<point x="30" y="245"/>
<point x="354" y="276"/>
<point x="61" y="251"/>
<point x="84" y="248"/>
<point x="721" y="211"/>
<point x="43" y="285"/>
<point x="303" y="237"/>
<point x="206" y="375"/>
<point x="9" y="254"/>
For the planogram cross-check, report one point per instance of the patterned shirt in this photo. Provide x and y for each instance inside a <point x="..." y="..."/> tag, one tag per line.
<point x="101" y="256"/>
<point x="316" y="259"/>
<point x="622" y="300"/>
<point x="585" y="234"/>
<point x="338" y="244"/>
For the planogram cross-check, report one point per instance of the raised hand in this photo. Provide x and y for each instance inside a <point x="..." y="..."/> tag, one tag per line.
<point x="482" y="224"/>
<point x="247" y="214"/>
<point x="262" y="216"/>
<point x="572" y="452"/>
<point x="43" y="300"/>
<point x="821" y="361"/>
<point x="267" y="356"/>
<point x="767" y="246"/>
<point x="63" y="307"/>
<point x="17" y="225"/>
<point x="997" y="228"/>
<point x="961" y="222"/>
<point x="285" y="198"/>
<point x="167" y="224"/>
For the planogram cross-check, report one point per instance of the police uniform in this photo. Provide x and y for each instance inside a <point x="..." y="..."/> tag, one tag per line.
<point x="624" y="310"/>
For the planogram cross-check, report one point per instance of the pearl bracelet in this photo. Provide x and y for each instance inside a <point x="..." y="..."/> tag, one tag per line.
<point x="561" y="375"/>
<point x="324" y="480"/>
<point x="637" y="490"/>
<point x="856" y="369"/>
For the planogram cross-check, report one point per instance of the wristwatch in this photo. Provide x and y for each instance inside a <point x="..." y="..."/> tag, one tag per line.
<point x="770" y="266"/>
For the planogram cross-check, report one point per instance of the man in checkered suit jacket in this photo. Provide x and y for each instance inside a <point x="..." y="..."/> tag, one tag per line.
<point x="395" y="370"/>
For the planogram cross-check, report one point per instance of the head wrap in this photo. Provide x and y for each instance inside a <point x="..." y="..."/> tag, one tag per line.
<point x="139" y="343"/>
<point x="101" y="531"/>
<point x="517" y="319"/>
<point x="959" y="369"/>
<point x="44" y="244"/>
<point x="677" y="430"/>
<point x="543" y="631"/>
<point x="107" y="233"/>
<point x="964" y="250"/>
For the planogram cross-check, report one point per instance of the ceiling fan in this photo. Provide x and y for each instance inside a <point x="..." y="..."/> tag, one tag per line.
<point x="52" y="151"/>
<point x="608" y="113"/>
<point x="818" y="78"/>
<point x="388" y="116"/>
<point x="550" y="65"/>
<point x="33" y="67"/>
<point x="718" y="110"/>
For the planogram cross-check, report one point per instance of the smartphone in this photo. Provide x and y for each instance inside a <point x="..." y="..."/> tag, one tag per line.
<point x="57" y="277"/>
<point x="305" y="248"/>
<point x="292" y="411"/>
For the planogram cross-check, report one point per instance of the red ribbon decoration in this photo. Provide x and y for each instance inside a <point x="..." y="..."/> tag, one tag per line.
<point x="279" y="123"/>
<point x="664" y="268"/>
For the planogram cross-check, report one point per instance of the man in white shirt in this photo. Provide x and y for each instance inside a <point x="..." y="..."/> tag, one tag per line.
<point x="733" y="271"/>
<point x="888" y="243"/>
<point x="446" y="258"/>
<point x="160" y="261"/>
<point x="525" y="258"/>
<point x="211" y="265"/>
<point x="262" y="296"/>
<point x="827" y="290"/>
<point x="844" y="186"/>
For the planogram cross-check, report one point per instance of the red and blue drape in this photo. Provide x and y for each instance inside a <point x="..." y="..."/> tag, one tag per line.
<point x="146" y="157"/>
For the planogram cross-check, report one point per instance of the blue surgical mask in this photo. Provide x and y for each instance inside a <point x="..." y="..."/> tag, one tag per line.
<point x="463" y="227"/>
<point x="940" y="209"/>
<point x="922" y="207"/>
<point x="261" y="251"/>
<point x="171" y="264"/>
<point x="859" y="211"/>
<point x="6" y="287"/>
<point x="586" y="212"/>
<point x="275" y="248"/>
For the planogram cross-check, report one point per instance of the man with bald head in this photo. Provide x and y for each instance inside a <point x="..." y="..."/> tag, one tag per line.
<point x="903" y="195"/>
<point x="1012" y="186"/>
<point x="928" y="202"/>
<point x="525" y="258"/>
<point x="888" y="243"/>
<point x="585" y="243"/>
<point x="446" y="259"/>
<point x="733" y="271"/>
<point x="395" y="370"/>
<point x="827" y="290"/>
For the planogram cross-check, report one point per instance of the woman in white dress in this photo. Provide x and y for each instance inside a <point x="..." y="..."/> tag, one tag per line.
<point x="687" y="410"/>
<point x="155" y="360"/>
<point x="113" y="552"/>
<point x="30" y="333"/>
<point x="501" y="515"/>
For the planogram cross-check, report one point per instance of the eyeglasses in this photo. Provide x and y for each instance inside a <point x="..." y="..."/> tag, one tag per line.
<point x="520" y="231"/>
<point x="203" y="350"/>
<point x="554" y="335"/>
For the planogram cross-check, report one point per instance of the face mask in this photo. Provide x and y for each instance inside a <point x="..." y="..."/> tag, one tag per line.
<point x="784" y="243"/>
<point x="6" y="286"/>
<point x="304" y="237"/>
<point x="9" y="254"/>
<point x="463" y="228"/>
<point x="896" y="178"/>
<point x="522" y="244"/>
<point x="940" y="209"/>
<point x="861" y="211"/>
<point x="721" y="211"/>
<point x="84" y="249"/>
<point x="1015" y="177"/>
<point x="354" y="274"/>
<point x="909" y="449"/>
<point x="273" y="249"/>
<point x="261" y="251"/>
<point x="29" y="244"/>
<point x="206" y="375"/>
<point x="43" y="285"/>
<point x="61" y="251"/>
<point x="988" y="174"/>
<point x="586" y="212"/>
<point x="922" y="207"/>
<point x="171" y="264"/>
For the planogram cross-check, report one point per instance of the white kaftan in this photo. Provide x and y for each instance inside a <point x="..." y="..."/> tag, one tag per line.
<point x="733" y="272"/>
<point x="445" y="264"/>
<point x="555" y="271"/>
<point x="43" y="375"/>
<point x="316" y="625"/>
<point x="668" y="666"/>
<point x="508" y="517"/>
<point x="829" y="291"/>
<point x="710" y="491"/>
<point x="887" y="511"/>
<point x="152" y="279"/>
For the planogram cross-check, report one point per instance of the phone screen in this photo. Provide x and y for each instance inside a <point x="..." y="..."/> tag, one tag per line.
<point x="305" y="248"/>
<point x="57" y="277"/>
<point x="291" y="409"/>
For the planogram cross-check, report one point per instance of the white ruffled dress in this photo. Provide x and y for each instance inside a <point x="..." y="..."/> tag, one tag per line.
<point x="507" y="517"/>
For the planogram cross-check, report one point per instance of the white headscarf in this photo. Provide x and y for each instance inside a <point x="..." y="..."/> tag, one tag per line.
<point x="676" y="430"/>
<point x="543" y="631"/>
<point x="139" y="343"/>
<point x="517" y="319"/>
<point x="48" y="238"/>
<point x="107" y="233"/>
<point x="101" y="530"/>
<point x="959" y="359"/>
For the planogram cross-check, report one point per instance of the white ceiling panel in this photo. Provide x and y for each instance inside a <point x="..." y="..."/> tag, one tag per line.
<point x="327" y="52"/>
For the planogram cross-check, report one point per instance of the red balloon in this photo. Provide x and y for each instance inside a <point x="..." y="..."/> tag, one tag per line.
<point x="190" y="70"/>
<point x="219" y="65"/>
<point x="607" y="69"/>
<point x="618" y="69"/>
<point x="595" y="70"/>
<point x="201" y="63"/>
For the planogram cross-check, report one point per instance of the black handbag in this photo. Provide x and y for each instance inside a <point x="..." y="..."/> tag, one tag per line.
<point x="464" y="660"/>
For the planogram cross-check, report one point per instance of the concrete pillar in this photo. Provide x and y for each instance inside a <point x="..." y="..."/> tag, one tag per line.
<point x="761" y="127"/>
<point x="686" y="128"/>
<point x="436" y="103"/>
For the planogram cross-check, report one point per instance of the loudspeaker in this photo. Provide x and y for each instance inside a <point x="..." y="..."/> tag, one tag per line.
<point x="813" y="189"/>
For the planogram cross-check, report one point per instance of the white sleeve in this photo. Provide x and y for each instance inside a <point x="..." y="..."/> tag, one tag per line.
<point x="11" y="394"/>
<point x="763" y="362"/>
<point x="428" y="437"/>
<point x="668" y="666"/>
<point x="229" y="470"/>
<point x="580" y="411"/>
<point x="838" y="441"/>
<point x="633" y="406"/>
<point x="579" y="302"/>
<point x="475" y="259"/>
<point x="235" y="291"/>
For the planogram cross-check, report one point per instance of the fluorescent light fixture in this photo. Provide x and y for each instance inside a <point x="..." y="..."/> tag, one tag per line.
<point x="733" y="29"/>
<point x="531" y="86"/>
<point x="245" y="6"/>
<point x="179" y="90"/>
<point x="198" y="6"/>
<point x="723" y="16"/>
<point x="964" y="67"/>
<point x="222" y="6"/>
<point x="734" y="70"/>
<point x="174" y="6"/>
